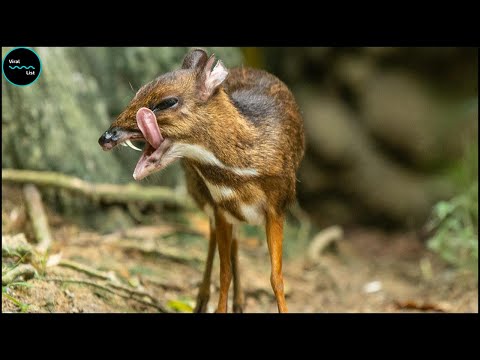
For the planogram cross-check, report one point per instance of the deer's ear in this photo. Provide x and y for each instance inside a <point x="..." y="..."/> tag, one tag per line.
<point x="195" y="59"/>
<point x="209" y="80"/>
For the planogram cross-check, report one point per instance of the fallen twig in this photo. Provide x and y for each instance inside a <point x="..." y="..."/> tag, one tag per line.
<point x="111" y="280"/>
<point x="151" y="248"/>
<point x="161" y="283"/>
<point x="25" y="270"/>
<point x="156" y="231"/>
<point x="38" y="217"/>
<point x="131" y="291"/>
<point x="107" y="287"/>
<point x="85" y="269"/>
<point x="105" y="192"/>
<point x="322" y="240"/>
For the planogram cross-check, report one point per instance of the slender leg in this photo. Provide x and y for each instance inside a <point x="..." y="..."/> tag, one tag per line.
<point x="224" y="239"/>
<point x="274" y="229"/>
<point x="204" y="290"/>
<point x="237" y="288"/>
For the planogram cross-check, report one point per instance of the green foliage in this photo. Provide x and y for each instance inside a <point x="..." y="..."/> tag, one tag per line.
<point x="183" y="304"/>
<point x="456" y="229"/>
<point x="12" y="260"/>
<point x="23" y="307"/>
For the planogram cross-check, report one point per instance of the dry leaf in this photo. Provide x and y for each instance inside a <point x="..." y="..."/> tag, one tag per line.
<point x="425" y="306"/>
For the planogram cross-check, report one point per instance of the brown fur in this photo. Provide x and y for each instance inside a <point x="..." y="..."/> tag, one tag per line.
<point x="204" y="290"/>
<point x="251" y="121"/>
<point x="274" y="229"/>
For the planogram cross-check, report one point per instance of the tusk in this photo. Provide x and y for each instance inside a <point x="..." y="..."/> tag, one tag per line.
<point x="129" y="143"/>
<point x="123" y="144"/>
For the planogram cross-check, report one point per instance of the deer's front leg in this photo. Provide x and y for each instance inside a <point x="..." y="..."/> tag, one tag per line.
<point x="204" y="290"/>
<point x="238" y="300"/>
<point x="224" y="240"/>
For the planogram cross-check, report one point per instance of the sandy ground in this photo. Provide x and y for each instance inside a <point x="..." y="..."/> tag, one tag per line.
<point x="366" y="271"/>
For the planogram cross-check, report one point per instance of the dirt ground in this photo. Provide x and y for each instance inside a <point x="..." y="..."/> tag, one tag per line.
<point x="146" y="268"/>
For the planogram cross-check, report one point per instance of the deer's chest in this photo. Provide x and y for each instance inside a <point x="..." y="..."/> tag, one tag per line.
<point x="238" y="196"/>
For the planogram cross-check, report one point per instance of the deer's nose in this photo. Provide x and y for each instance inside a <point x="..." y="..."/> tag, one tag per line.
<point x="110" y="137"/>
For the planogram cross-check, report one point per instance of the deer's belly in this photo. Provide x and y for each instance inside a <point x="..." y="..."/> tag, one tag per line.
<point x="252" y="214"/>
<point x="239" y="202"/>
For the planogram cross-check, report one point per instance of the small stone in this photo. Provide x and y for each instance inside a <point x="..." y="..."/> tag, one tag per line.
<point x="372" y="287"/>
<point x="69" y="294"/>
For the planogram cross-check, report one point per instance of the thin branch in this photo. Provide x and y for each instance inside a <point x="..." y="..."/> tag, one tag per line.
<point x="84" y="269"/>
<point x="151" y="248"/>
<point x="25" y="270"/>
<point x="131" y="291"/>
<point x="322" y="240"/>
<point x="105" y="287"/>
<point x="105" y="192"/>
<point x="111" y="280"/>
<point x="161" y="283"/>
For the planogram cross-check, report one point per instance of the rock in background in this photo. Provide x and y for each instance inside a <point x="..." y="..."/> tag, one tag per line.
<point x="55" y="124"/>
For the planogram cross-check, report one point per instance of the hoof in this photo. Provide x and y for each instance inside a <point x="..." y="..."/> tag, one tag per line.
<point x="201" y="306"/>
<point x="238" y="308"/>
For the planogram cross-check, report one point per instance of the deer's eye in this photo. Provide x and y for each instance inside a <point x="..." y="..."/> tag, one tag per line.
<point x="166" y="104"/>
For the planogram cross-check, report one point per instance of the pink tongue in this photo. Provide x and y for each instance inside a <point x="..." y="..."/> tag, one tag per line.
<point x="147" y="122"/>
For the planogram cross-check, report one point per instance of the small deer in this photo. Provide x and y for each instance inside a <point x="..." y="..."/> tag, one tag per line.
<point x="239" y="135"/>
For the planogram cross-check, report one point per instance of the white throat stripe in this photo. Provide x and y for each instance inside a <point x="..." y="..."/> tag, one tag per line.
<point x="199" y="153"/>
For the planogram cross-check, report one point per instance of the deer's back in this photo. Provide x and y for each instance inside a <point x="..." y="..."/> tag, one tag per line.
<point x="267" y="103"/>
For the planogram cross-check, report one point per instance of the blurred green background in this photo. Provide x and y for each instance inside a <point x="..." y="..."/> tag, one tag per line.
<point x="392" y="133"/>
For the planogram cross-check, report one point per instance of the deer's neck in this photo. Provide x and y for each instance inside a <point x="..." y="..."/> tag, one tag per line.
<point x="224" y="137"/>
